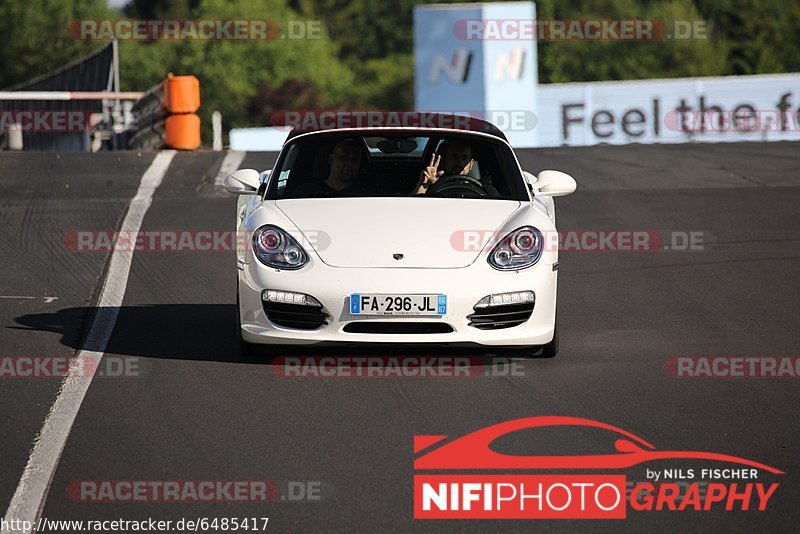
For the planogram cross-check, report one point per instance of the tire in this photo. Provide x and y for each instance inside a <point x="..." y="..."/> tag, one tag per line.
<point x="551" y="349"/>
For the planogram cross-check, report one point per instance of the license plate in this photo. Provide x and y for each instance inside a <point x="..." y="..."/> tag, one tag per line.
<point x="363" y="304"/>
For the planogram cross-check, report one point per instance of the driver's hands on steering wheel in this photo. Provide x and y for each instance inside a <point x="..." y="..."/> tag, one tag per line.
<point x="430" y="174"/>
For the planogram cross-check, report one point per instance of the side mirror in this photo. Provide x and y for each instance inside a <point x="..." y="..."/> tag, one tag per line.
<point x="551" y="184"/>
<point x="242" y="182"/>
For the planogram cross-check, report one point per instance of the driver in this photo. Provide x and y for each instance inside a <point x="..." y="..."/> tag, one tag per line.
<point x="457" y="161"/>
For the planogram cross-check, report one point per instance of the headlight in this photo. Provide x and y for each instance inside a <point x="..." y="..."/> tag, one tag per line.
<point x="276" y="248"/>
<point x="517" y="250"/>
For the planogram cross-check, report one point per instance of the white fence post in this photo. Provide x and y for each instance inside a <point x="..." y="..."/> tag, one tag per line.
<point x="216" y="125"/>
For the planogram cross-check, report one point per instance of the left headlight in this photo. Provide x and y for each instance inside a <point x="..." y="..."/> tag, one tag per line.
<point x="276" y="248"/>
<point x="517" y="250"/>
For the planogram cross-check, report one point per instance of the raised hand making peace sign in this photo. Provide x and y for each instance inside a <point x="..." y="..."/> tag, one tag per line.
<point x="457" y="161"/>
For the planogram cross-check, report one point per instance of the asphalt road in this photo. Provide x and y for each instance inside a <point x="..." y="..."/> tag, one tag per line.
<point x="189" y="408"/>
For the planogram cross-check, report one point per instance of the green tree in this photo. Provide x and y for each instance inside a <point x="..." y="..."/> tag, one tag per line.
<point x="376" y="41"/>
<point x="384" y="83"/>
<point x="364" y="58"/>
<point x="364" y="29"/>
<point x="762" y="33"/>
<point x="161" y="9"/>
<point x="35" y="36"/>
<point x="236" y="75"/>
<point x="577" y="61"/>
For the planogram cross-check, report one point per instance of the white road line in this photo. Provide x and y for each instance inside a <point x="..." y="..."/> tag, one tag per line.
<point x="28" y="500"/>
<point x="231" y="162"/>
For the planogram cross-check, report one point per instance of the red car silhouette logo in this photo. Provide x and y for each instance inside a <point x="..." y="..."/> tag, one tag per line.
<point x="473" y="451"/>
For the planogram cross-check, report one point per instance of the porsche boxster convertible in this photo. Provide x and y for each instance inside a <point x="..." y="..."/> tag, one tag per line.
<point x="428" y="235"/>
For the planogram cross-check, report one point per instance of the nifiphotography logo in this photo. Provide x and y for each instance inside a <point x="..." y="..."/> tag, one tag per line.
<point x="499" y="486"/>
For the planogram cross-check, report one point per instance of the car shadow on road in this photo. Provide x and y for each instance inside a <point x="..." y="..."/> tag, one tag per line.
<point x="169" y="331"/>
<point x="205" y="332"/>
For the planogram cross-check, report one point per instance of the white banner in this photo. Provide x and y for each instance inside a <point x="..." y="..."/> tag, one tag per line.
<point x="721" y="109"/>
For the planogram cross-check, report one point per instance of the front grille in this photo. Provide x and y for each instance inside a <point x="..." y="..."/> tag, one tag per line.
<point x="397" y="327"/>
<point x="296" y="316"/>
<point x="497" y="317"/>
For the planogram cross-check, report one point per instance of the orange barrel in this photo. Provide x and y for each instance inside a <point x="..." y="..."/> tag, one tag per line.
<point x="182" y="94"/>
<point x="182" y="131"/>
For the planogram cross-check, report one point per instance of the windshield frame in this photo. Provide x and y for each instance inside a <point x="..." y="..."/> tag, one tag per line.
<point x="517" y="182"/>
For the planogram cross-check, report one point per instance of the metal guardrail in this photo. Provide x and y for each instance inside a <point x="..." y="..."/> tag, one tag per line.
<point x="69" y="95"/>
<point x="114" y="119"/>
<point x="163" y="115"/>
<point x="149" y="112"/>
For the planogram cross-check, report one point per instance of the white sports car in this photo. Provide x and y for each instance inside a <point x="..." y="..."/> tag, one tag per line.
<point x="398" y="235"/>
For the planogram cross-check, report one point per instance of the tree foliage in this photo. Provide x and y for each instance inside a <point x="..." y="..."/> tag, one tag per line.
<point x="569" y="61"/>
<point x="235" y="76"/>
<point x="160" y="9"/>
<point x="762" y="34"/>
<point x="35" y="38"/>
<point x="364" y="59"/>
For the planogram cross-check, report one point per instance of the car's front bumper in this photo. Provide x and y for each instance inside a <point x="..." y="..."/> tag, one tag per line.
<point x="464" y="287"/>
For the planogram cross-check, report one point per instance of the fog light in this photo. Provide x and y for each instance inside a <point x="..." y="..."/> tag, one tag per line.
<point x="504" y="299"/>
<point x="288" y="297"/>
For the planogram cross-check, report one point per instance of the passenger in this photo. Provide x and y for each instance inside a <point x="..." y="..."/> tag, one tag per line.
<point x="342" y="180"/>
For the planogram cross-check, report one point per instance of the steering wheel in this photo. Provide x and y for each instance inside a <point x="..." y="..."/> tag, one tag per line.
<point x="456" y="185"/>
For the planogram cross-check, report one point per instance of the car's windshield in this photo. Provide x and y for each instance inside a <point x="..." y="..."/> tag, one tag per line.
<point x="395" y="164"/>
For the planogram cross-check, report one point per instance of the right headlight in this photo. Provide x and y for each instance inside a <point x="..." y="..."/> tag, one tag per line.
<point x="517" y="250"/>
<point x="276" y="248"/>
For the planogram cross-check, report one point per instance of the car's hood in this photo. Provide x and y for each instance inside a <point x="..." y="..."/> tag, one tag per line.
<point x="370" y="232"/>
